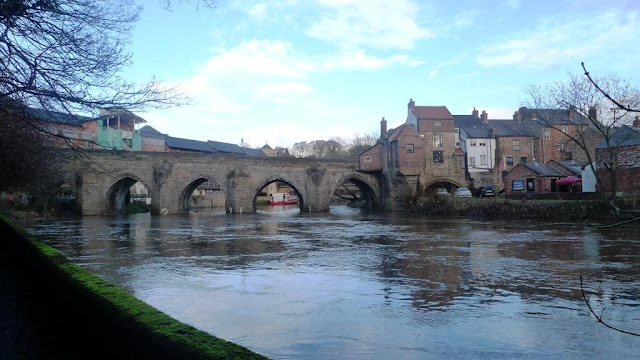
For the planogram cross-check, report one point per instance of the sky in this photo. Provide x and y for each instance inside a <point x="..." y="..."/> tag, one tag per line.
<point x="284" y="71"/>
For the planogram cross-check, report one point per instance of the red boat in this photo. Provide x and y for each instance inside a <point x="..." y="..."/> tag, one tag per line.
<point x="283" y="199"/>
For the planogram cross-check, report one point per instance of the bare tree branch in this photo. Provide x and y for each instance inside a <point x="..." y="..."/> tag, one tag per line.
<point x="599" y="318"/>
<point x="619" y="105"/>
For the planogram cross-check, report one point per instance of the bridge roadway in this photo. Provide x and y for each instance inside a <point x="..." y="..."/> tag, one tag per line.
<point x="102" y="181"/>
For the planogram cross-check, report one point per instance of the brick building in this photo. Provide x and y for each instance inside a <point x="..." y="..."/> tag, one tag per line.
<point x="417" y="156"/>
<point x="622" y="157"/>
<point x="531" y="177"/>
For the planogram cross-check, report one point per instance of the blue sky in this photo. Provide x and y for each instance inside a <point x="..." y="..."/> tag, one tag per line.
<point x="283" y="71"/>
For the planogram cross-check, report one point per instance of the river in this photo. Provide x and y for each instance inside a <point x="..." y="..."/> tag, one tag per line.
<point x="350" y="284"/>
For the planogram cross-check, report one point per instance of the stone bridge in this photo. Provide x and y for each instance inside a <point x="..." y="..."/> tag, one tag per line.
<point x="101" y="183"/>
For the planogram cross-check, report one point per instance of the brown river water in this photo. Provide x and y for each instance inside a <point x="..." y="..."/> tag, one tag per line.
<point x="350" y="284"/>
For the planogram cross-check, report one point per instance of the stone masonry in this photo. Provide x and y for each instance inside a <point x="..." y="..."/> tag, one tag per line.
<point x="102" y="183"/>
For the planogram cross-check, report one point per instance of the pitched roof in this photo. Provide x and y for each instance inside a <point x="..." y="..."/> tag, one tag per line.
<point x="472" y="126"/>
<point x="512" y="128"/>
<point x="234" y="149"/>
<point x="543" y="169"/>
<point x="188" y="144"/>
<point x="149" y="131"/>
<point x="266" y="147"/>
<point x="432" y="112"/>
<point x="400" y="130"/>
<point x="624" y="136"/>
<point x="553" y="116"/>
<point x="59" y="117"/>
<point x="571" y="165"/>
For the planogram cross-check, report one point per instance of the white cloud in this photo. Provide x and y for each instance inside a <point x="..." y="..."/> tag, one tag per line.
<point x="359" y="60"/>
<point x="433" y="73"/>
<point x="560" y="39"/>
<point x="377" y="24"/>
<point x="284" y="92"/>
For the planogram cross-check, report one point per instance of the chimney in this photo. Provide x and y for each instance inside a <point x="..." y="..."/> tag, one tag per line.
<point x="494" y="132"/>
<point x="518" y="114"/>
<point x="593" y="113"/>
<point x="484" y="116"/>
<point x="411" y="105"/>
<point x="383" y="128"/>
<point x="636" y="122"/>
<point x="571" y="112"/>
<point x="474" y="112"/>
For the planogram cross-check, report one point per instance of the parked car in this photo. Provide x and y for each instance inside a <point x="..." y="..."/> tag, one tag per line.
<point x="442" y="191"/>
<point x="463" y="192"/>
<point x="487" y="192"/>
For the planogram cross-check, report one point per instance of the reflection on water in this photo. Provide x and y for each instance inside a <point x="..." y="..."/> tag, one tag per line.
<point x="351" y="285"/>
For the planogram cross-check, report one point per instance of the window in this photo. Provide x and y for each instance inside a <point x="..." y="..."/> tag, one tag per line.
<point x="516" y="144"/>
<point x="482" y="142"/>
<point x="560" y="144"/>
<point x="483" y="160"/>
<point x="472" y="142"/>
<point x="472" y="161"/>
<point x="437" y="140"/>
<point x="437" y="157"/>
<point x="438" y="123"/>
<point x="410" y="148"/>
<point x="457" y="143"/>
<point x="367" y="159"/>
<point x="509" y="160"/>
<point x="523" y="159"/>
<point x="565" y="129"/>
<point x="546" y="134"/>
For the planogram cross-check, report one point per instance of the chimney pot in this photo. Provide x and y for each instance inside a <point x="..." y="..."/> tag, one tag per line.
<point x="383" y="128"/>
<point x="474" y="112"/>
<point x="484" y="116"/>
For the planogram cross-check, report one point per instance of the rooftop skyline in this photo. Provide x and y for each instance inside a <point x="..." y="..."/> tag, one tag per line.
<point x="287" y="71"/>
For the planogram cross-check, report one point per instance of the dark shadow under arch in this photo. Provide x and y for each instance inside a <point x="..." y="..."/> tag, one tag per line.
<point x="118" y="195"/>
<point x="187" y="191"/>
<point x="368" y="197"/>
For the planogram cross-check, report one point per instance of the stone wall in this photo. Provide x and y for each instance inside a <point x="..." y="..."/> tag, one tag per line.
<point x="172" y="177"/>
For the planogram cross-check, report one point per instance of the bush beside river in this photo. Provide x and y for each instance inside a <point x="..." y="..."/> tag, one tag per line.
<point x="505" y="208"/>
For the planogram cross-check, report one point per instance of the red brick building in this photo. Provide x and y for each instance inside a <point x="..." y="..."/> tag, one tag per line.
<point x="622" y="158"/>
<point x="531" y="177"/>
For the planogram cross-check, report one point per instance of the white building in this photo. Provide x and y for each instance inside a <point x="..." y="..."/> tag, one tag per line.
<point x="478" y="144"/>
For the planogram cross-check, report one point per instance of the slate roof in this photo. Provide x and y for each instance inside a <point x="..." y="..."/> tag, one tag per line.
<point x="472" y="126"/>
<point x="267" y="147"/>
<point x="149" y="131"/>
<point x="576" y="167"/>
<point x="188" y="144"/>
<point x="432" y="112"/>
<point x="511" y="128"/>
<point x="624" y="136"/>
<point x="553" y="116"/>
<point x="543" y="169"/>
<point x="234" y="149"/>
<point x="59" y="117"/>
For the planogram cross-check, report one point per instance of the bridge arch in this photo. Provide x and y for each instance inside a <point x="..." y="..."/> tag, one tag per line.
<point x="190" y="186"/>
<point x="369" y="191"/>
<point x="298" y="189"/>
<point x="118" y="190"/>
<point x="448" y="184"/>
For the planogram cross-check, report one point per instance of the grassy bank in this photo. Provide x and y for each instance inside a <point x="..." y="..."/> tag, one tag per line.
<point x="87" y="317"/>
<point x="504" y="208"/>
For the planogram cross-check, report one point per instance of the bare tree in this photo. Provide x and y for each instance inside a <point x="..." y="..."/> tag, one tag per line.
<point x="593" y="118"/>
<point x="65" y="56"/>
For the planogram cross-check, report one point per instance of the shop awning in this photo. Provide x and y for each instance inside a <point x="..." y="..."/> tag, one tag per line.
<point x="569" y="180"/>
